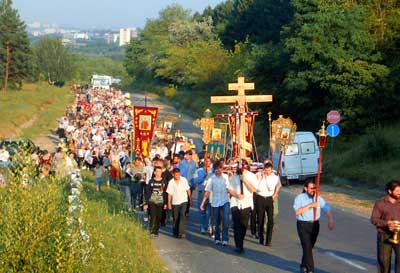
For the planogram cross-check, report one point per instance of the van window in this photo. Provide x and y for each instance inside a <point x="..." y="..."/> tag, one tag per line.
<point x="292" y="149"/>
<point x="307" y="148"/>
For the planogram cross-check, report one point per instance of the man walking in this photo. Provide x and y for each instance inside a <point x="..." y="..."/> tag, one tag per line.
<point x="385" y="212"/>
<point x="218" y="186"/>
<point x="199" y="180"/>
<point x="307" y="228"/>
<point x="178" y="191"/>
<point x="241" y="189"/>
<point x="267" y="191"/>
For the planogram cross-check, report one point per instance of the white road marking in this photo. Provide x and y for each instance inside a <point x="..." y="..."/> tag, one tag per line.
<point x="346" y="261"/>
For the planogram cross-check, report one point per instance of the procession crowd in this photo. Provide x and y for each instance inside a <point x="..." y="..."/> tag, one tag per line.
<point x="95" y="135"/>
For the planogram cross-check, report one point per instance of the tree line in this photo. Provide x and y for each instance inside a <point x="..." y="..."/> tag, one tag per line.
<point x="47" y="60"/>
<point x="313" y="56"/>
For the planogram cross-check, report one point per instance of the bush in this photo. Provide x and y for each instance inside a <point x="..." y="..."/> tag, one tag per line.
<point x="34" y="235"/>
<point x="376" y="146"/>
<point x="170" y="91"/>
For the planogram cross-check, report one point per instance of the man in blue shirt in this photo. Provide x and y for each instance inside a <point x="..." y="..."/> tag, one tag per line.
<point x="199" y="180"/>
<point x="308" y="229"/>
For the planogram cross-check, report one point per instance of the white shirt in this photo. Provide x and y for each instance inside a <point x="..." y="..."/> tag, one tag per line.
<point x="178" y="191"/>
<point x="234" y="184"/>
<point x="218" y="186"/>
<point x="267" y="184"/>
<point x="4" y="155"/>
<point x="148" y="170"/>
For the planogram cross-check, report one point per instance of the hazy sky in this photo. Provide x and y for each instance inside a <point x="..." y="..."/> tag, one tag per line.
<point x="100" y="13"/>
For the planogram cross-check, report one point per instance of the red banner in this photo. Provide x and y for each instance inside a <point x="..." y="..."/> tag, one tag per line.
<point x="145" y="120"/>
<point x="249" y="121"/>
<point x="232" y="125"/>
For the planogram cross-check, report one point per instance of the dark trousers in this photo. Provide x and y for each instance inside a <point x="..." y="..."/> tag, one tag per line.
<point x="265" y="204"/>
<point x="240" y="218"/>
<point x="308" y="234"/>
<point x="135" y="193"/>
<point x="178" y="212"/>
<point x="163" y="219"/>
<point x="385" y="254"/>
<point x="155" y="217"/>
<point x="253" y="219"/>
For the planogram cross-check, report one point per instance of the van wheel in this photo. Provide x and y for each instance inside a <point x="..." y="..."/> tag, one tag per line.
<point x="285" y="181"/>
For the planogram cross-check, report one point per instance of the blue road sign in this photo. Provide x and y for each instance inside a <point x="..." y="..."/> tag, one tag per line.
<point x="333" y="130"/>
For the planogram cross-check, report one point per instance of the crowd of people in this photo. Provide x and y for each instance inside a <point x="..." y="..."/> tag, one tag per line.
<point x="95" y="134"/>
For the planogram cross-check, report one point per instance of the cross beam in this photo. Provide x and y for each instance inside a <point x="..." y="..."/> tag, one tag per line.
<point x="241" y="99"/>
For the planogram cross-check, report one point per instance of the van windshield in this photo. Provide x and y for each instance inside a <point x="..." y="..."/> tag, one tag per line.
<point x="292" y="149"/>
<point x="307" y="148"/>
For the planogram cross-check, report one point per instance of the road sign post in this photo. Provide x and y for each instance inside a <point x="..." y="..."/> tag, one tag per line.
<point x="333" y="130"/>
<point x="333" y="117"/>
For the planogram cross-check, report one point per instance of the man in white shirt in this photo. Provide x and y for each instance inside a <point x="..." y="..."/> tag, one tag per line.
<point x="267" y="192"/>
<point x="241" y="189"/>
<point x="218" y="185"/>
<point x="178" y="191"/>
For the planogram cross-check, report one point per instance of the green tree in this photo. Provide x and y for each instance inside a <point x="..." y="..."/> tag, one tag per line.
<point x="54" y="61"/>
<point x="15" y="50"/>
<point x="334" y="62"/>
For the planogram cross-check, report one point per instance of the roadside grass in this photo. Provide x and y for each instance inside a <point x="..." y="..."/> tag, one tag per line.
<point x="120" y="244"/>
<point x="36" y="107"/>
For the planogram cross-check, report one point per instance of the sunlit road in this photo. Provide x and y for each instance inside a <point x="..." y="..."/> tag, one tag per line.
<point x="350" y="247"/>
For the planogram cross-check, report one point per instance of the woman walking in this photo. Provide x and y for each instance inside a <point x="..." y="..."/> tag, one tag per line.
<point x="155" y="199"/>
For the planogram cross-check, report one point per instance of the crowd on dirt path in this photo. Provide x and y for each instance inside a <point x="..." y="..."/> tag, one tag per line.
<point x="95" y="134"/>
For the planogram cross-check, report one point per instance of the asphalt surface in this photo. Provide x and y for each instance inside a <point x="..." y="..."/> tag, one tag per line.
<point x="350" y="247"/>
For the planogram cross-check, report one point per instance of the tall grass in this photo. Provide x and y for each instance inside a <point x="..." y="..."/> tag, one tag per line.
<point x="120" y="244"/>
<point x="39" y="103"/>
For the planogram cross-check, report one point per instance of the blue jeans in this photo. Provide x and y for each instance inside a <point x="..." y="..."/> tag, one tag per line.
<point x="204" y="214"/>
<point x="127" y="195"/>
<point x="221" y="214"/>
<point x="135" y="192"/>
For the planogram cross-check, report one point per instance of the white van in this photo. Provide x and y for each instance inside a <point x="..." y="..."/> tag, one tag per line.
<point x="300" y="159"/>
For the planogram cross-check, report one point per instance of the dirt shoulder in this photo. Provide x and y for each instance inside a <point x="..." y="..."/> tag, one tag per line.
<point x="354" y="198"/>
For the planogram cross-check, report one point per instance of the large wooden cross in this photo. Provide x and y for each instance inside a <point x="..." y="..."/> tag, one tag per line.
<point x="241" y="99"/>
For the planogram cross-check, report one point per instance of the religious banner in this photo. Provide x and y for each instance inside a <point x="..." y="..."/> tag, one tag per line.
<point x="232" y="126"/>
<point x="145" y="120"/>
<point x="216" y="150"/>
<point x="216" y="134"/>
<point x="167" y="127"/>
<point x="249" y="121"/>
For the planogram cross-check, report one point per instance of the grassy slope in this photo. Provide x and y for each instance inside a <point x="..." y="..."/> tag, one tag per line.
<point x="35" y="107"/>
<point x="120" y="242"/>
<point x="372" y="159"/>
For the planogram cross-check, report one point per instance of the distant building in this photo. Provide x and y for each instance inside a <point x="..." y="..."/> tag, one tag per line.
<point x="81" y="35"/>
<point x="115" y="37"/>
<point x="50" y="31"/>
<point x="126" y="35"/>
<point x="35" y="25"/>
<point x="108" y="38"/>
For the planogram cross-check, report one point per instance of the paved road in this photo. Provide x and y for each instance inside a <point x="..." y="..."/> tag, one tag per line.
<point x="348" y="248"/>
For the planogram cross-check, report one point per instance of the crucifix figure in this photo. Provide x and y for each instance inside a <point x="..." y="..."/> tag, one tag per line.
<point x="241" y="100"/>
